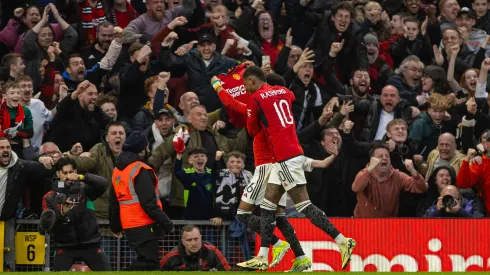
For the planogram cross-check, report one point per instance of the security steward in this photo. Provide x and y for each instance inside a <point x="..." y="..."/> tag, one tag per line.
<point x="134" y="205"/>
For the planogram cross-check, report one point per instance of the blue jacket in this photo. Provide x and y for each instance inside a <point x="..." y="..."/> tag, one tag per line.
<point x="198" y="192"/>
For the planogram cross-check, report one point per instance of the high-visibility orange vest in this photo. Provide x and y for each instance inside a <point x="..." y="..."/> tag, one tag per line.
<point x="131" y="213"/>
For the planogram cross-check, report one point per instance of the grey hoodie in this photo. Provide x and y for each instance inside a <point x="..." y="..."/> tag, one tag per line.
<point x="477" y="37"/>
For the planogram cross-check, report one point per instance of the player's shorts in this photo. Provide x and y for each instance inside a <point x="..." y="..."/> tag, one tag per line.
<point x="289" y="173"/>
<point x="255" y="190"/>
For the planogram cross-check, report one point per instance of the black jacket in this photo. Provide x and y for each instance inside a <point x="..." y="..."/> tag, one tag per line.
<point x="403" y="48"/>
<point x="22" y="173"/>
<point x="73" y="124"/>
<point x="330" y="189"/>
<point x="406" y="92"/>
<point x="79" y="228"/>
<point x="142" y="120"/>
<point x="483" y="23"/>
<point x="354" y="51"/>
<point x="209" y="258"/>
<point x="199" y="76"/>
<point x="144" y="185"/>
<point x="299" y="90"/>
<point x="402" y="110"/>
<point x="133" y="95"/>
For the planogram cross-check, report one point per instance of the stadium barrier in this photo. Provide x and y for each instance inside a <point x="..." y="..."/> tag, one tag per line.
<point x="398" y="245"/>
<point x="27" y="250"/>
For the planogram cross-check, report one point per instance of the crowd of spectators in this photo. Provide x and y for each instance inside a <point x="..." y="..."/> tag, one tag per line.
<point x="396" y="90"/>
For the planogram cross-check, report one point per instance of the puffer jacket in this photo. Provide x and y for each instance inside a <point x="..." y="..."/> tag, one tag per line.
<point x="79" y="227"/>
<point x="402" y="110"/>
<point x="167" y="150"/>
<point x="142" y="120"/>
<point x="425" y="134"/>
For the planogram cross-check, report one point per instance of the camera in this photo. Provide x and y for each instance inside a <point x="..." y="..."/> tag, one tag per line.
<point x="448" y="201"/>
<point x="66" y="190"/>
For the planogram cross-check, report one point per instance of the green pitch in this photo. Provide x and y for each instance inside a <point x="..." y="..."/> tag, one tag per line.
<point x="241" y="273"/>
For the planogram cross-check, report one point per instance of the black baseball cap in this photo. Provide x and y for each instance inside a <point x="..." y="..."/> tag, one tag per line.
<point x="164" y="112"/>
<point x="206" y="35"/>
<point x="467" y="11"/>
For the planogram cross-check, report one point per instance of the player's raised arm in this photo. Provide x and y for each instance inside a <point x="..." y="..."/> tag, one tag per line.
<point x="228" y="100"/>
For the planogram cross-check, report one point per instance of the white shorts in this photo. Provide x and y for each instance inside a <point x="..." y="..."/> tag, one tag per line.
<point x="255" y="190"/>
<point x="291" y="172"/>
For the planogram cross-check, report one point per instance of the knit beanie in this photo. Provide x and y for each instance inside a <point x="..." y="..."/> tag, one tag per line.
<point x="136" y="142"/>
<point x="371" y="39"/>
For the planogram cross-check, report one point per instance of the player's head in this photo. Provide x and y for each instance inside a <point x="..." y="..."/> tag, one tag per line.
<point x="253" y="78"/>
<point x="198" y="158"/>
<point x="274" y="79"/>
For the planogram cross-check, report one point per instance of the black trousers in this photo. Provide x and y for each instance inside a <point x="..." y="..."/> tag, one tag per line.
<point x="93" y="257"/>
<point x="147" y="257"/>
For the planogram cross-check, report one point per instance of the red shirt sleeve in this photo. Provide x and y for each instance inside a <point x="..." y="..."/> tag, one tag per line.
<point x="253" y="121"/>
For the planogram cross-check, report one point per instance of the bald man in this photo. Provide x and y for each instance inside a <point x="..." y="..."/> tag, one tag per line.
<point x="444" y="154"/>
<point x="381" y="112"/>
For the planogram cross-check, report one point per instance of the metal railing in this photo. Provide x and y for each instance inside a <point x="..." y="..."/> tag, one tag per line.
<point x="118" y="251"/>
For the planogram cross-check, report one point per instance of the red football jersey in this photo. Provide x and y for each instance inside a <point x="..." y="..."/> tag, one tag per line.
<point x="269" y="108"/>
<point x="233" y="84"/>
<point x="262" y="152"/>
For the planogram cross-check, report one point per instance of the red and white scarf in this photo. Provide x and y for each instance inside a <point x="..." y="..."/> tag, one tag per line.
<point x="91" y="17"/>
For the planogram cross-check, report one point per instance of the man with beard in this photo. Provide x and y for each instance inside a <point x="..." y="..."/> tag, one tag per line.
<point x="200" y="65"/>
<point x="78" y="119"/>
<point x="40" y="114"/>
<point x="332" y="27"/>
<point x="407" y="82"/>
<point x="15" y="174"/>
<point x="76" y="71"/>
<point x="445" y="154"/>
<point x="93" y="55"/>
<point x="378" y="186"/>
<point x="101" y="160"/>
<point x="158" y="133"/>
<point x="308" y="101"/>
<point x="380" y="113"/>
<point x="156" y="18"/>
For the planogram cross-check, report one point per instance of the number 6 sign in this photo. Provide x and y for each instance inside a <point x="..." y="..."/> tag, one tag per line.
<point x="29" y="248"/>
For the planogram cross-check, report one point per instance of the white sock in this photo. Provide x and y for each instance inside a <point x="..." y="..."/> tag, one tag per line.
<point x="339" y="239"/>
<point x="263" y="252"/>
<point x="300" y="257"/>
<point x="278" y="243"/>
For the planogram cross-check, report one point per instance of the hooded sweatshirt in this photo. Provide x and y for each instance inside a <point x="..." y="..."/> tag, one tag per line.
<point x="377" y="198"/>
<point x="4" y="177"/>
<point x="476" y="39"/>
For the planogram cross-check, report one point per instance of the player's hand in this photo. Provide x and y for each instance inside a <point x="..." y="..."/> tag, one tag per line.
<point x="373" y="163"/>
<point x="213" y="79"/>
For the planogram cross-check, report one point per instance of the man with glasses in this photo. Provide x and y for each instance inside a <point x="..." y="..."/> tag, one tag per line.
<point x="407" y="81"/>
